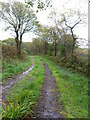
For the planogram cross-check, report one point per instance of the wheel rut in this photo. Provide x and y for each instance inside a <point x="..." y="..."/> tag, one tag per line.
<point x="4" y="88"/>
<point x="47" y="106"/>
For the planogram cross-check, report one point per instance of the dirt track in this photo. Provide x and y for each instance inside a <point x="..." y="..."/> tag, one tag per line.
<point x="48" y="106"/>
<point x="9" y="84"/>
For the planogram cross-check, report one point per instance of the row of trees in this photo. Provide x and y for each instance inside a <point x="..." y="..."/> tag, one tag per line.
<point x="61" y="34"/>
<point x="21" y="18"/>
<point x="49" y="42"/>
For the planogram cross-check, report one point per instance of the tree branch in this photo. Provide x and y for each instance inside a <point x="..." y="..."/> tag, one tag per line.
<point x="76" y="24"/>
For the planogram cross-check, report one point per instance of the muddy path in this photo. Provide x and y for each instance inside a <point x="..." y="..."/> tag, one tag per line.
<point x="9" y="84"/>
<point x="48" y="106"/>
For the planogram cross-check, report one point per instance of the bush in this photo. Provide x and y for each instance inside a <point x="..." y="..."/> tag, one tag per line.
<point x="11" y="52"/>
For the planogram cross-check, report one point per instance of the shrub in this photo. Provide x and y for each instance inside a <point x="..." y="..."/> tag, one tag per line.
<point x="11" y="52"/>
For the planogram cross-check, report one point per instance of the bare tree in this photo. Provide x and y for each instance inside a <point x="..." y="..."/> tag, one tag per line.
<point x="72" y="33"/>
<point x="19" y="18"/>
<point x="72" y="24"/>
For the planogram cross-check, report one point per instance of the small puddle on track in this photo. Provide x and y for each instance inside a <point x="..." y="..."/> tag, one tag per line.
<point x="6" y="86"/>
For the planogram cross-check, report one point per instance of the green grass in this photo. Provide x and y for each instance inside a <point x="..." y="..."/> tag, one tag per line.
<point x="73" y="89"/>
<point x="76" y="64"/>
<point x="22" y="97"/>
<point x="13" y="67"/>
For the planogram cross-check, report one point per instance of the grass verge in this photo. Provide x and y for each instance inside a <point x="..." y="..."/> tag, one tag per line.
<point x="73" y="89"/>
<point x="77" y="64"/>
<point x="13" y="67"/>
<point x="23" y="96"/>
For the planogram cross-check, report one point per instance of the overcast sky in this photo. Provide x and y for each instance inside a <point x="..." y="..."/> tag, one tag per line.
<point x="60" y="5"/>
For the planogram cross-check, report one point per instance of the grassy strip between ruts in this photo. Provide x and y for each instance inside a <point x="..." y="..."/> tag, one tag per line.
<point x="14" y="67"/>
<point x="73" y="89"/>
<point x="23" y="96"/>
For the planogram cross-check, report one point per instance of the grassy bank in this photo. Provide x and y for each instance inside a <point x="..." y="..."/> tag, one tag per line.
<point x="23" y="96"/>
<point x="11" y="64"/>
<point x="78" y="63"/>
<point x="73" y="89"/>
<point x="13" y="67"/>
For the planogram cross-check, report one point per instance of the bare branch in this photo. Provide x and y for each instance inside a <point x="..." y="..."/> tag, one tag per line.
<point x="76" y="24"/>
<point x="82" y="39"/>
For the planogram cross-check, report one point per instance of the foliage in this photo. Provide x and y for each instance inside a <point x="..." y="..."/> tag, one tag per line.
<point x="60" y="47"/>
<point x="65" y="22"/>
<point x="19" y="19"/>
<point x="67" y="40"/>
<point x="38" y="46"/>
<point x="76" y="64"/>
<point x="39" y="4"/>
<point x="11" y="65"/>
<point x="27" y="46"/>
<point x="9" y="51"/>
<point x="9" y="41"/>
<point x="73" y="91"/>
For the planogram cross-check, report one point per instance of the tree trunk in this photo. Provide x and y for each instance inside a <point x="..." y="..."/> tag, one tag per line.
<point x="45" y="47"/>
<point x="55" y="49"/>
<point x="18" y="48"/>
<point x="20" y="42"/>
<point x="73" y="46"/>
<point x="39" y="50"/>
<point x="18" y="45"/>
<point x="65" y="54"/>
